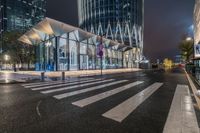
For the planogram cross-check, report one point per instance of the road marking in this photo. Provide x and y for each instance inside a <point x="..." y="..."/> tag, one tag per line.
<point x="194" y="89"/>
<point x="98" y="97"/>
<point x="181" y="117"/>
<point x="53" y="83"/>
<point x="37" y="109"/>
<point x="76" y="86"/>
<point x="120" y="112"/>
<point x="65" y="95"/>
<point x="66" y="84"/>
<point x="37" y="83"/>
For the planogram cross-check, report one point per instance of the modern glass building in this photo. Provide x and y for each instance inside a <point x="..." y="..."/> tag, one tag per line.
<point x="20" y="14"/>
<point x="119" y="20"/>
<point x="197" y="39"/>
<point x="63" y="47"/>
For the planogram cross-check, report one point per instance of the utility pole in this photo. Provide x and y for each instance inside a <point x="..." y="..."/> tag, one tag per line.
<point x="101" y="53"/>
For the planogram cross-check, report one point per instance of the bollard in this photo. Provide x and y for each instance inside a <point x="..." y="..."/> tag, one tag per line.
<point x="63" y="76"/>
<point x="42" y="76"/>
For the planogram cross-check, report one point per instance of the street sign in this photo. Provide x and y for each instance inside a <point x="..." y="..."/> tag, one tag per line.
<point x="101" y="53"/>
<point x="100" y="50"/>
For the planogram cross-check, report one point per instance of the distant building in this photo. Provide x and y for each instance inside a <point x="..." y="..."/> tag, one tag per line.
<point x="197" y="32"/>
<point x="20" y="14"/>
<point x="197" y="39"/>
<point x="178" y="59"/>
<point x="119" y="20"/>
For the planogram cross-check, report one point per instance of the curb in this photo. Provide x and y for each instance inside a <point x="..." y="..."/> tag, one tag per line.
<point x="193" y="87"/>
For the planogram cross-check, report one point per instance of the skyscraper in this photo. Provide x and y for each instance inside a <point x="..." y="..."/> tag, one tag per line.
<point x="21" y="14"/>
<point x="120" y="20"/>
<point x="196" y="53"/>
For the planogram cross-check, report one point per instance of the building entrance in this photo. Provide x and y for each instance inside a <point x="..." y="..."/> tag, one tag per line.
<point x="83" y="62"/>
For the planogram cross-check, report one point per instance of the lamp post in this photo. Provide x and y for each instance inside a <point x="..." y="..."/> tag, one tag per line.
<point x="101" y="53"/>
<point x="127" y="60"/>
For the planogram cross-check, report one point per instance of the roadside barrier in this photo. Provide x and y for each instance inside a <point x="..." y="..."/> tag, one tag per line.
<point x="42" y="76"/>
<point x="63" y="75"/>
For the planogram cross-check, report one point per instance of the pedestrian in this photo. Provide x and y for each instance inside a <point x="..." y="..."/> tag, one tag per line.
<point x="15" y="69"/>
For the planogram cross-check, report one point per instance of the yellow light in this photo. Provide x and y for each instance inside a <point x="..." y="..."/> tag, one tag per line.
<point x="6" y="57"/>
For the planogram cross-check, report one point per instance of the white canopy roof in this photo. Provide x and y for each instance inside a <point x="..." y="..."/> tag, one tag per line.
<point x="51" y="27"/>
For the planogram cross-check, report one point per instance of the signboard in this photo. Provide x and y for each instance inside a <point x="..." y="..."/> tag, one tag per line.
<point x="197" y="50"/>
<point x="100" y="50"/>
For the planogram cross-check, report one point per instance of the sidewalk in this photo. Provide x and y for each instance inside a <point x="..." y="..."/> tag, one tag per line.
<point x="33" y="75"/>
<point x="193" y="87"/>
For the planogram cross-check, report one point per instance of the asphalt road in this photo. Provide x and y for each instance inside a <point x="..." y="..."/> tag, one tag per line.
<point x="24" y="109"/>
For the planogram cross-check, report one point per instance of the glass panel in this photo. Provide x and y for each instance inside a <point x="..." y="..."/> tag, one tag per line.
<point x="83" y="48"/>
<point x="63" y="53"/>
<point x="91" y="56"/>
<point x="73" y="55"/>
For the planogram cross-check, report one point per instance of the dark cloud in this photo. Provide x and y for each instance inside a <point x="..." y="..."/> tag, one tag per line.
<point x="165" y="22"/>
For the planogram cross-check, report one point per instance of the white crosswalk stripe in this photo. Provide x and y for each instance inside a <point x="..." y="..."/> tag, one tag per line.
<point x="65" y="95"/>
<point x="120" y="112"/>
<point x="76" y="86"/>
<point x="38" y="83"/>
<point x="181" y="117"/>
<point x="98" y="97"/>
<point x="53" y="83"/>
<point x="65" y="84"/>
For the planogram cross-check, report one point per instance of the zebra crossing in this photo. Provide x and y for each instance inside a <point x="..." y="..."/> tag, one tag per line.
<point x="119" y="113"/>
<point x="181" y="104"/>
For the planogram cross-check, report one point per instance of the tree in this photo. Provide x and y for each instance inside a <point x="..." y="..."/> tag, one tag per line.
<point x="186" y="49"/>
<point x="167" y="63"/>
<point x="19" y="53"/>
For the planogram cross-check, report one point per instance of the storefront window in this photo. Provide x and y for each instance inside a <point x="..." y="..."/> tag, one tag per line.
<point x="63" y="53"/>
<point x="73" y="52"/>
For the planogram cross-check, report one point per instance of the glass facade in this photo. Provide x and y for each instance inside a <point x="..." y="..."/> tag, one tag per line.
<point x="119" y="20"/>
<point x="61" y="47"/>
<point x="196" y="59"/>
<point x="21" y="14"/>
<point x="67" y="53"/>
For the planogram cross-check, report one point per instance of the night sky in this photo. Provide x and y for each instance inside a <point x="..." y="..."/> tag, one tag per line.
<point x="165" y="22"/>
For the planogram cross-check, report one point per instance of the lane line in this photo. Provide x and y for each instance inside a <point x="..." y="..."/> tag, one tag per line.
<point x="121" y="111"/>
<point x="194" y="89"/>
<point x="76" y="86"/>
<point x="98" y="97"/>
<point x="37" y="83"/>
<point x="181" y="117"/>
<point x="37" y="109"/>
<point x="54" y="83"/>
<point x="65" y="95"/>
<point x="65" y="84"/>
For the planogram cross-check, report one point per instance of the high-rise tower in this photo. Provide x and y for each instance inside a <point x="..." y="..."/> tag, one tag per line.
<point x="20" y="15"/>
<point x="120" y="20"/>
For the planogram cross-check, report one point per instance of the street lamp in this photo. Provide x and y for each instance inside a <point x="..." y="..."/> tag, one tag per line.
<point x="127" y="60"/>
<point x="101" y="51"/>
<point x="6" y="58"/>
<point x="189" y="39"/>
